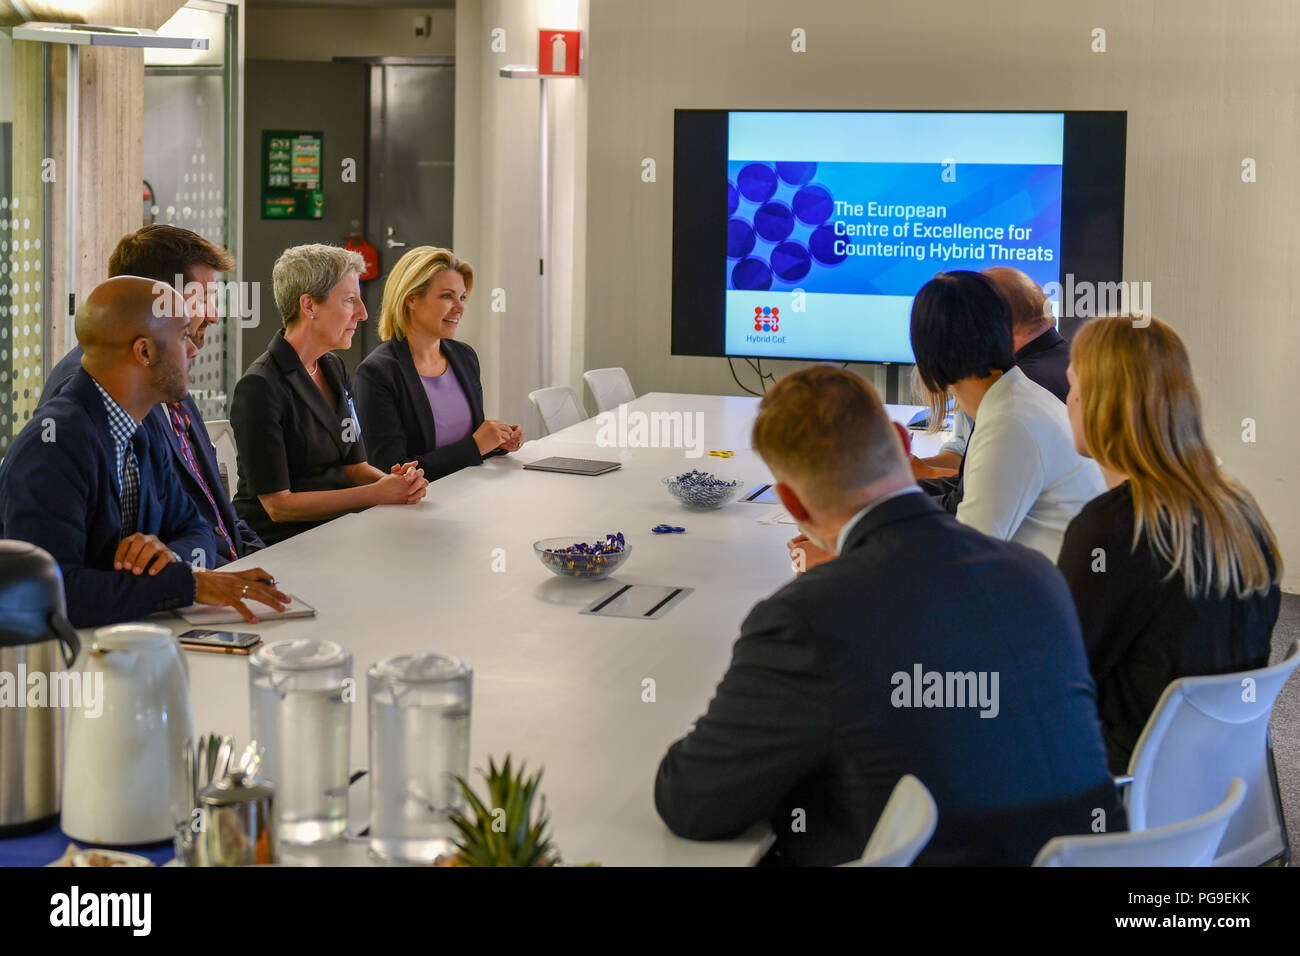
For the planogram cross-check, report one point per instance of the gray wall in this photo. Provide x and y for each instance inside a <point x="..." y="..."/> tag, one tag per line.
<point x="496" y="207"/>
<point x="282" y="94"/>
<point x="1206" y="83"/>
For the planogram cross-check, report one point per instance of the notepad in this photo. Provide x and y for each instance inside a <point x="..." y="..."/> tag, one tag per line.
<point x="203" y="614"/>
<point x="777" y="516"/>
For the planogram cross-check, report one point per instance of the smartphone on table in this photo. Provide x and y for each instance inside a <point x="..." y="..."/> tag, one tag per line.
<point x="221" y="642"/>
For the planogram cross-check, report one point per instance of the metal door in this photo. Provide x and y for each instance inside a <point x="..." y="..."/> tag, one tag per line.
<point x="410" y="168"/>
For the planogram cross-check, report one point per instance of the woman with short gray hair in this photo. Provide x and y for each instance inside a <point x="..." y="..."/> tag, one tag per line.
<point x="301" y="456"/>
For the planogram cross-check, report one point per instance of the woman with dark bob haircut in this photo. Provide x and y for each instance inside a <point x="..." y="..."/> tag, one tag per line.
<point x="1024" y="480"/>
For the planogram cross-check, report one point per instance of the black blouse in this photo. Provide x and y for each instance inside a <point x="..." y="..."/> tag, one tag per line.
<point x="1142" y="633"/>
<point x="287" y="435"/>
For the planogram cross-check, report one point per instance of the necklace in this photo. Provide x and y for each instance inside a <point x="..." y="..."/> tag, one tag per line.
<point x="312" y="370"/>
<point x="437" y="368"/>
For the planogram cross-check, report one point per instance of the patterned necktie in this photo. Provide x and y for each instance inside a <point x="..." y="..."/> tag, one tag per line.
<point x="130" y="492"/>
<point x="180" y="420"/>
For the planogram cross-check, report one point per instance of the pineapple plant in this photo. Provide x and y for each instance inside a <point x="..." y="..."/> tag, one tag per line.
<point x="501" y="830"/>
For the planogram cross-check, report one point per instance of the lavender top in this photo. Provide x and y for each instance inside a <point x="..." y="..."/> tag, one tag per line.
<point x="452" y="420"/>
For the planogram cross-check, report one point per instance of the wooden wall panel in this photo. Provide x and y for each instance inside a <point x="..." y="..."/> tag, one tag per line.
<point x="110" y="134"/>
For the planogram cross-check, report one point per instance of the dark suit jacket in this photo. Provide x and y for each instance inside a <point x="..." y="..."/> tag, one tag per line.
<point x="288" y="436"/>
<point x="1140" y="628"/>
<point x="58" y="490"/>
<point x="246" y="538"/>
<point x="1044" y="361"/>
<point x="806" y="730"/>
<point x="395" y="414"/>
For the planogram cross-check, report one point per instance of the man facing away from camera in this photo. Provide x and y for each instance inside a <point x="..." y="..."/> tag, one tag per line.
<point x="925" y="647"/>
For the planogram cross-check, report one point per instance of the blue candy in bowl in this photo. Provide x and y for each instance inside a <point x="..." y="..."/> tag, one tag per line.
<point x="701" y="491"/>
<point x="578" y="558"/>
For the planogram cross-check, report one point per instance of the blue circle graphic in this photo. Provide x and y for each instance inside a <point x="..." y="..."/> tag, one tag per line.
<point x="757" y="182"/>
<point x="752" y="275"/>
<point x="740" y="238"/>
<point x="822" y="244"/>
<point x="796" y="174"/>
<point x="791" y="261"/>
<point x="733" y="198"/>
<point x="813" y="205"/>
<point x="774" y="221"/>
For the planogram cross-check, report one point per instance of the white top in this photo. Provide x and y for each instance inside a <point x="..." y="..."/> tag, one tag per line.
<point x="961" y="426"/>
<point x="1024" y="481"/>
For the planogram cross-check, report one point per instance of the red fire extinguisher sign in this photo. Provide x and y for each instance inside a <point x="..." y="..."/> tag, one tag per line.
<point x="559" y="53"/>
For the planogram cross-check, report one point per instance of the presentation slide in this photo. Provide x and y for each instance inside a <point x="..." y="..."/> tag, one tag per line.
<point x="835" y="220"/>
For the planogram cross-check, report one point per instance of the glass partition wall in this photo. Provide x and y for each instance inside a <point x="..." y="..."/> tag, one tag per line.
<point x="24" y="181"/>
<point x="190" y="117"/>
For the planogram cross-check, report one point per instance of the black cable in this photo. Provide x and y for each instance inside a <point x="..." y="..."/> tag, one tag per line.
<point x="739" y="384"/>
<point x="763" y="377"/>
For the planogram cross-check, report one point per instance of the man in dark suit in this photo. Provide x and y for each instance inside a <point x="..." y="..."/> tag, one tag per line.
<point x="1042" y="353"/>
<point x="178" y="256"/>
<point x="925" y="647"/>
<point x="87" y="483"/>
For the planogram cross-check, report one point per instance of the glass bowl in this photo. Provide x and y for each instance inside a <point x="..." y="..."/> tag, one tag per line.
<point x="701" y="496"/>
<point x="554" y="554"/>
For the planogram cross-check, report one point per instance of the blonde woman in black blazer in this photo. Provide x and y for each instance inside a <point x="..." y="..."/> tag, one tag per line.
<point x="419" y="394"/>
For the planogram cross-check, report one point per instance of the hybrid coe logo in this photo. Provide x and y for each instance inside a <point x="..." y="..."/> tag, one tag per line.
<point x="767" y="320"/>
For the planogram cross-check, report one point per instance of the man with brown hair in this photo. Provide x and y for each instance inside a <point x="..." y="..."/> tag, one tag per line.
<point x="924" y="648"/>
<point x="174" y="255"/>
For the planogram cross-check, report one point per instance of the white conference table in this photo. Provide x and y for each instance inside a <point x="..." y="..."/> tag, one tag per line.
<point x="552" y="687"/>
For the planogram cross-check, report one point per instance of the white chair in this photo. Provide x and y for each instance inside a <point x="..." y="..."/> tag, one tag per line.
<point x="904" y="828"/>
<point x="610" y="387"/>
<point x="558" y="406"/>
<point x="223" y="440"/>
<point x="1204" y="732"/>
<point x="1190" y="843"/>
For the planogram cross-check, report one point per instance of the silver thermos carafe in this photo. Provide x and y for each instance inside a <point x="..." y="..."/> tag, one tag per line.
<point x="35" y="638"/>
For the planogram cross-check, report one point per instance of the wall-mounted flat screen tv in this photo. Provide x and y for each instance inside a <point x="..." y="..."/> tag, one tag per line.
<point x="806" y="234"/>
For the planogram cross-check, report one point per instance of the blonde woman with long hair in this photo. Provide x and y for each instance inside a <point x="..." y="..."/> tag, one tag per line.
<point x="1174" y="570"/>
<point x="419" y="395"/>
